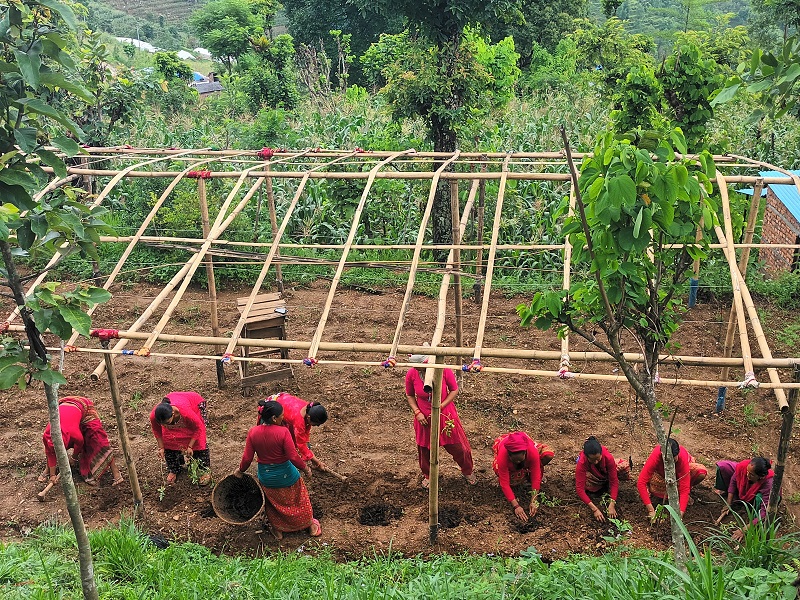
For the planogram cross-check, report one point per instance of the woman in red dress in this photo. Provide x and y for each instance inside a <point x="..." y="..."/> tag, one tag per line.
<point x="300" y="416"/>
<point x="597" y="471"/>
<point x="451" y="433"/>
<point x="517" y="458"/>
<point x="651" y="479"/>
<point x="179" y="425"/>
<point x="81" y="430"/>
<point x="288" y="506"/>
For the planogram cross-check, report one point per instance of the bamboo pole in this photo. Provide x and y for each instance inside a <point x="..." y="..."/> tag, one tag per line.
<point x="412" y="272"/>
<point x="694" y="281"/>
<point x="787" y="424"/>
<point x="212" y="282"/>
<point x="755" y="322"/>
<point x="752" y="217"/>
<point x="567" y="272"/>
<point x="541" y="247"/>
<point x="237" y="331"/>
<point x="353" y="228"/>
<point x="273" y="221"/>
<point x="744" y="341"/>
<point x="476" y="288"/>
<point x="457" y="300"/>
<point x="433" y="489"/>
<point x="412" y="175"/>
<point x="490" y="265"/>
<point x="122" y="428"/>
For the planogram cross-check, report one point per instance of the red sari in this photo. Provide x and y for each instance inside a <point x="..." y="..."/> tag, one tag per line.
<point x="81" y="430"/>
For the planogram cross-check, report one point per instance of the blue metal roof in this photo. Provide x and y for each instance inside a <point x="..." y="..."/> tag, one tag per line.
<point x="787" y="194"/>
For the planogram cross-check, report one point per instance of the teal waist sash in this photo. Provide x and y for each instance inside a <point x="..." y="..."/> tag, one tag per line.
<point x="278" y="476"/>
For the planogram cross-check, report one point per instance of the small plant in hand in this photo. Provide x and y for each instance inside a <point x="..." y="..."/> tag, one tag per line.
<point x="449" y="425"/>
<point x="196" y="471"/>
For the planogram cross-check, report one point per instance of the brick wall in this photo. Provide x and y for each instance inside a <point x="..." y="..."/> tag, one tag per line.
<point x="779" y="227"/>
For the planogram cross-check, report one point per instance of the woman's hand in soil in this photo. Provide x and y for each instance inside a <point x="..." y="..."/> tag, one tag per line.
<point x="307" y="470"/>
<point x="188" y="452"/>
<point x="520" y="513"/>
<point x="738" y="535"/>
<point x="161" y="453"/>
<point x="612" y="510"/>
<point x="598" y="515"/>
<point x="533" y="508"/>
<point x="421" y="418"/>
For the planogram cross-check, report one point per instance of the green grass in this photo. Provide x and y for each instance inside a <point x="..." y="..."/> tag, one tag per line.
<point x="128" y="566"/>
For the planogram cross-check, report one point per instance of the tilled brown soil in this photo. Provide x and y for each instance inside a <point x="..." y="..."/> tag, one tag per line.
<point x="369" y="437"/>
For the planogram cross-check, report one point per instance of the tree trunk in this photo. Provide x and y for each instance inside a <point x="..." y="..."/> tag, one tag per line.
<point x="444" y="140"/>
<point x="648" y="395"/>
<point x="38" y="350"/>
<point x="71" y="496"/>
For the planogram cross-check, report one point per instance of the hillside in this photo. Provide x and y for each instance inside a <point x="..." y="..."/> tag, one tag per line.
<point x="175" y="12"/>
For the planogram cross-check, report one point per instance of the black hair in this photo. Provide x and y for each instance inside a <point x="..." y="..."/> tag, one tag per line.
<point x="674" y="446"/>
<point x="269" y="410"/>
<point x="163" y="411"/>
<point x="316" y="413"/>
<point x="760" y="466"/>
<point x="591" y="446"/>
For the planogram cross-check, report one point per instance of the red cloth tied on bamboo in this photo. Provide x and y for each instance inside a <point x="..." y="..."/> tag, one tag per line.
<point x="81" y="430"/>
<point x="745" y="488"/>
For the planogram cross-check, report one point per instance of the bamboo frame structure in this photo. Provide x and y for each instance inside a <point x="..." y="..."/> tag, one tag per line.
<point x="487" y="173"/>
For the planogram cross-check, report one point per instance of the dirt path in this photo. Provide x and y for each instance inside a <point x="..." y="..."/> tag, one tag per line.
<point x="369" y="438"/>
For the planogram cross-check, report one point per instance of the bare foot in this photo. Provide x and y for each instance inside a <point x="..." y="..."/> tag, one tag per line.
<point x="117" y="481"/>
<point x="171" y="478"/>
<point x="278" y="535"/>
<point x="316" y="529"/>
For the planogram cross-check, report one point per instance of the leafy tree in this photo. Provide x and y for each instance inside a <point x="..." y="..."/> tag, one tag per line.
<point x="544" y="23"/>
<point x="444" y="81"/>
<point x="226" y="28"/>
<point x="774" y="77"/>
<point x="310" y="23"/>
<point x="638" y="101"/>
<point x="268" y="76"/>
<point x="633" y="236"/>
<point x="172" y="67"/>
<point x="610" y="50"/>
<point x="728" y="46"/>
<point x="688" y="80"/>
<point x="34" y="64"/>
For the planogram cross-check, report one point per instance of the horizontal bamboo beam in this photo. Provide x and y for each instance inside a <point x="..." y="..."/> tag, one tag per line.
<point x="559" y="247"/>
<point x="429" y="350"/>
<point x="502" y="353"/>
<point x="421" y="175"/>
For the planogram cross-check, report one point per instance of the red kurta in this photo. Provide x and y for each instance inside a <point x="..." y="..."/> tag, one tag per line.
<point x="655" y="464"/>
<point x="82" y="431"/>
<point x="191" y="425"/>
<point x="450" y="429"/>
<point x="292" y="405"/>
<point x="272" y="444"/>
<point x="70" y="432"/>
<point x="506" y="470"/>
<point x="605" y="470"/>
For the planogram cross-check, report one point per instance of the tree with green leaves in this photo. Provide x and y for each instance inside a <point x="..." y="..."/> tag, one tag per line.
<point x="34" y="64"/>
<point x="226" y="28"/>
<point x="633" y="240"/>
<point x="443" y="82"/>
<point x="172" y="67"/>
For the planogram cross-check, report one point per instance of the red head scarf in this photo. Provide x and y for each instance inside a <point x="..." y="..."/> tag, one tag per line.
<point x="517" y="442"/>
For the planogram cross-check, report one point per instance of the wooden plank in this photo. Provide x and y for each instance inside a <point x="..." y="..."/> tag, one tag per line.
<point x="261" y="298"/>
<point x="251" y="380"/>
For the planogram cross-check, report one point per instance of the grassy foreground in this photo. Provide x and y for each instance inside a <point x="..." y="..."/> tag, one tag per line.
<point x="129" y="565"/>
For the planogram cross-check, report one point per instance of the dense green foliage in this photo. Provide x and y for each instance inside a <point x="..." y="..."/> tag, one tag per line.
<point x="128" y="565"/>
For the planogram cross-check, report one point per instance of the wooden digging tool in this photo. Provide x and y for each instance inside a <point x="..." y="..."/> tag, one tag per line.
<point x="43" y="494"/>
<point x="338" y="476"/>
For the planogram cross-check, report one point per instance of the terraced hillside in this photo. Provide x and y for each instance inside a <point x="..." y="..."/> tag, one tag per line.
<point x="174" y="11"/>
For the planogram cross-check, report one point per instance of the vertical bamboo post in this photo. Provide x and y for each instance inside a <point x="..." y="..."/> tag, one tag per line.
<point x="122" y="429"/>
<point x="212" y="282"/>
<point x="258" y="214"/>
<point x="436" y="417"/>
<point x="727" y="350"/>
<point x="694" y="281"/>
<point x="273" y="221"/>
<point x="567" y="274"/>
<point x="455" y="218"/>
<point x="787" y="423"/>
<point x="476" y="288"/>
